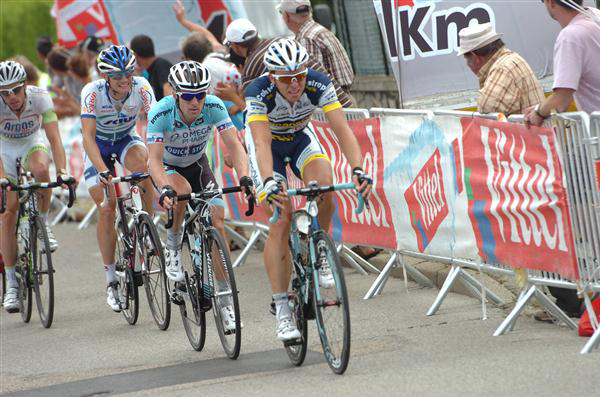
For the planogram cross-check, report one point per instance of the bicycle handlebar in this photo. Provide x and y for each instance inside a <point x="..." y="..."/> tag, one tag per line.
<point x="70" y="182"/>
<point x="135" y="177"/>
<point x="208" y="194"/>
<point x="316" y="190"/>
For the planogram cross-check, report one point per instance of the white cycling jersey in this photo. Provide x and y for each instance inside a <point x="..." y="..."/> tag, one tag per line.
<point x="112" y="123"/>
<point x="27" y="125"/>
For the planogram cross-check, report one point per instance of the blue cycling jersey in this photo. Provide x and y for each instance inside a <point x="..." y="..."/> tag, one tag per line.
<point x="184" y="144"/>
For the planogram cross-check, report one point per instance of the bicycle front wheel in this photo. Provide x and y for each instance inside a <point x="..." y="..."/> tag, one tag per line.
<point x="23" y="273"/>
<point x="153" y="272"/>
<point x="190" y="307"/>
<point x="127" y="291"/>
<point x="226" y="307"/>
<point x="331" y="306"/>
<point x="42" y="272"/>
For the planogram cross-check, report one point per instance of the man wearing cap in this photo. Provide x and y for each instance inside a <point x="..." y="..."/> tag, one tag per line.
<point x="507" y="83"/>
<point x="248" y="49"/>
<point x="321" y="44"/>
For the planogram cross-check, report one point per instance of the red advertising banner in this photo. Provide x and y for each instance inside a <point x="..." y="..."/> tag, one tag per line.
<point x="374" y="226"/>
<point x="517" y="200"/>
<point x="77" y="19"/>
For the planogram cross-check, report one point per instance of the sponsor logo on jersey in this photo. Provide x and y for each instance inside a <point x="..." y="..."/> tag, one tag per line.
<point x="89" y="103"/>
<point x="119" y="121"/>
<point x="159" y="115"/>
<point x="214" y="105"/>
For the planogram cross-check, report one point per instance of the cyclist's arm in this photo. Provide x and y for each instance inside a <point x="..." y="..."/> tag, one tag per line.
<point x="348" y="142"/>
<point x="88" y="129"/>
<point x="50" y="124"/>
<point x="235" y="148"/>
<point x="157" y="168"/>
<point x="261" y="135"/>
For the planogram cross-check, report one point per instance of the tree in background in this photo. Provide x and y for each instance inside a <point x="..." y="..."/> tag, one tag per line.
<point x="21" y="22"/>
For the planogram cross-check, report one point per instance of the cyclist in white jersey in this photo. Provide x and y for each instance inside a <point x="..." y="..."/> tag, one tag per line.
<point x="279" y="106"/>
<point x="179" y="127"/>
<point x="109" y="110"/>
<point x="23" y="110"/>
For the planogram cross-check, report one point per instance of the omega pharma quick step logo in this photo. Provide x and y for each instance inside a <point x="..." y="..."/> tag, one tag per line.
<point x="426" y="201"/>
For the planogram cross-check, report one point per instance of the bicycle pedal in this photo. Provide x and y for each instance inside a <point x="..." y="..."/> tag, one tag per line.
<point x="138" y="280"/>
<point x="292" y="342"/>
<point x="176" y="298"/>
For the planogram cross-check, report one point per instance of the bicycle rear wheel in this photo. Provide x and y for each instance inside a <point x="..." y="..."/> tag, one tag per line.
<point x="42" y="272"/>
<point x="192" y="315"/>
<point x="332" y="307"/>
<point x="153" y="272"/>
<point x="224" y="293"/>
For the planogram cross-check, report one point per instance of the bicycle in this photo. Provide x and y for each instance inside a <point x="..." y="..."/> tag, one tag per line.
<point x="138" y="239"/>
<point x="209" y="281"/>
<point x="311" y="247"/>
<point x="34" y="269"/>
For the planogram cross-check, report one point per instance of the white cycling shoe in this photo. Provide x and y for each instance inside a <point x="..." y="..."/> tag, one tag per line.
<point x="228" y="318"/>
<point x="11" y="300"/>
<point x="287" y="330"/>
<point x="326" y="279"/>
<point x="111" y="299"/>
<point x="174" y="268"/>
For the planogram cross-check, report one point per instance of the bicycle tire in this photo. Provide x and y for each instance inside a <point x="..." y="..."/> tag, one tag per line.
<point x="216" y="250"/>
<point x="153" y="272"/>
<point x="42" y="272"/>
<point x="25" y="293"/>
<point x="194" y="324"/>
<point x="332" y="309"/>
<point x="297" y="353"/>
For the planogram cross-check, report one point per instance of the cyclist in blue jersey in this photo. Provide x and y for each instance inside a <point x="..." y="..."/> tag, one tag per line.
<point x="179" y="127"/>
<point x="279" y="106"/>
<point x="109" y="111"/>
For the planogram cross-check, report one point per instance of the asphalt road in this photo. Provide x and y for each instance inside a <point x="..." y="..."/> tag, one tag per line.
<point x="396" y="349"/>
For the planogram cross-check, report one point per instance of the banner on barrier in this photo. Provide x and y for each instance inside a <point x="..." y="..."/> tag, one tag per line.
<point x="462" y="188"/>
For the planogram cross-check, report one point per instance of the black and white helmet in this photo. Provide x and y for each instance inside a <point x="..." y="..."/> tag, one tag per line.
<point x="189" y="76"/>
<point x="11" y="72"/>
<point x="285" y="55"/>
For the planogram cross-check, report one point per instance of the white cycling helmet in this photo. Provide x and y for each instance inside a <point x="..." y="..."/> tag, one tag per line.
<point x="285" y="55"/>
<point x="189" y="76"/>
<point x="11" y="72"/>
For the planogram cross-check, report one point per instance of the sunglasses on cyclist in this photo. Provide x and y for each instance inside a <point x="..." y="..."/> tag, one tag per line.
<point x="14" y="91"/>
<point x="186" y="96"/>
<point x="290" y="78"/>
<point x="120" y="75"/>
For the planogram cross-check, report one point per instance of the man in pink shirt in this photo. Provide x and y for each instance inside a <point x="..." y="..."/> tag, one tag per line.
<point x="576" y="60"/>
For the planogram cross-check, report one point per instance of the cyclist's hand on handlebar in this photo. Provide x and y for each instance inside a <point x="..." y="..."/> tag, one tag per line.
<point x="362" y="181"/>
<point x="64" y="180"/>
<point x="275" y="193"/>
<point x="5" y="183"/>
<point x="167" y="197"/>
<point x="104" y="177"/>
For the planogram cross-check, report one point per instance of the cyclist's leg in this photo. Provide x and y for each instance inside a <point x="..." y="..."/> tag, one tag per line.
<point x="174" y="268"/>
<point x="135" y="158"/>
<point x="311" y="163"/>
<point x="105" y="228"/>
<point x="37" y="161"/>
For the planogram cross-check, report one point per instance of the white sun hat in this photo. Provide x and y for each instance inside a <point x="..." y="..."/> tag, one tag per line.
<point x="476" y="36"/>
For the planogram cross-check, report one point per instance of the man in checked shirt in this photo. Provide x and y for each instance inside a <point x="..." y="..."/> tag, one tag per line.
<point x="321" y="43"/>
<point x="507" y="83"/>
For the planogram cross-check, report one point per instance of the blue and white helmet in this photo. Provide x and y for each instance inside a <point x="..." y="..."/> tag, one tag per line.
<point x="11" y="72"/>
<point x="285" y="55"/>
<point x="116" y="59"/>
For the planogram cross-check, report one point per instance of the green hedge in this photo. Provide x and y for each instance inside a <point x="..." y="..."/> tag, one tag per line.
<point x="21" y="22"/>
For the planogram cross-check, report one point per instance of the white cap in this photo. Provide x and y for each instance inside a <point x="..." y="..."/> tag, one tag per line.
<point x="293" y="6"/>
<point x="476" y="36"/>
<point x="239" y="31"/>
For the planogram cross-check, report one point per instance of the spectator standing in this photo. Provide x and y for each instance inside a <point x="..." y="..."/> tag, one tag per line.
<point x="248" y="49"/>
<point x="157" y="67"/>
<point x="507" y="83"/>
<point x="576" y="75"/>
<point x="43" y="46"/>
<point x="192" y="27"/>
<point x="321" y="43"/>
<point x="68" y="96"/>
<point x="196" y="47"/>
<point x="576" y="60"/>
